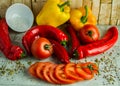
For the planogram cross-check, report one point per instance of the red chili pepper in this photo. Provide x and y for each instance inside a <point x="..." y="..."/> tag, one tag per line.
<point x="99" y="46"/>
<point x="43" y="31"/>
<point x="11" y="51"/>
<point x="60" y="52"/>
<point x="74" y="39"/>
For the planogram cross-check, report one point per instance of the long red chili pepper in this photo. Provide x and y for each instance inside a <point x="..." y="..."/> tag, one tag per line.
<point x="43" y="31"/>
<point x="74" y="39"/>
<point x="60" y="52"/>
<point x="99" y="46"/>
<point x="11" y="51"/>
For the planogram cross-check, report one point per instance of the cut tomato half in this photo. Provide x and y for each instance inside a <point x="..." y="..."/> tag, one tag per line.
<point x="90" y="67"/>
<point x="83" y="73"/>
<point x="52" y="75"/>
<point x="46" y="70"/>
<point x="60" y="75"/>
<point x="32" y="70"/>
<point x="71" y="73"/>
<point x="39" y="69"/>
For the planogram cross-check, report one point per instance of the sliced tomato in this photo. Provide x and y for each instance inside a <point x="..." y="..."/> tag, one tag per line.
<point x="90" y="67"/>
<point x="52" y="76"/>
<point x="60" y="75"/>
<point x="83" y="73"/>
<point x="45" y="71"/>
<point x="39" y="69"/>
<point x="32" y="69"/>
<point x="71" y="73"/>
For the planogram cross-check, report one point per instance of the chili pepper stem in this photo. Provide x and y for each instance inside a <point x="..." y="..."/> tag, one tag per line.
<point x="83" y="19"/>
<point x="23" y="55"/>
<point x="75" y="54"/>
<point x="64" y="43"/>
<point x="63" y="5"/>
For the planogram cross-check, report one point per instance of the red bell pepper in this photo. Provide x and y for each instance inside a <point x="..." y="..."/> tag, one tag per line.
<point x="99" y="46"/>
<point x="43" y="31"/>
<point x="60" y="52"/>
<point x="12" y="52"/>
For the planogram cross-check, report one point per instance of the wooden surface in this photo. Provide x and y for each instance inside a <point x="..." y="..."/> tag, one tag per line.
<point x="107" y="12"/>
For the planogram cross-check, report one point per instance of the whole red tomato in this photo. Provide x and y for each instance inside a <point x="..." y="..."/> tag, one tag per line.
<point x="41" y="48"/>
<point x="89" y="33"/>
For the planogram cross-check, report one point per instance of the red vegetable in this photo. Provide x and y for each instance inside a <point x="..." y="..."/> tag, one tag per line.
<point x="99" y="46"/>
<point x="41" y="48"/>
<point x="89" y="33"/>
<point x="44" y="31"/>
<point x="74" y="40"/>
<point x="60" y="52"/>
<point x="11" y="51"/>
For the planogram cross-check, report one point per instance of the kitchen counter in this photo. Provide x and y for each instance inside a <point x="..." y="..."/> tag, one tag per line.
<point x="14" y="73"/>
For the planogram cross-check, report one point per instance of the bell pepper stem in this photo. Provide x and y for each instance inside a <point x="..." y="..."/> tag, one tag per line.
<point x="61" y="6"/>
<point x="84" y="18"/>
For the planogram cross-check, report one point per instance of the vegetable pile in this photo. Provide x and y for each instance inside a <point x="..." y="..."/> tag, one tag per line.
<point x="63" y="73"/>
<point x="80" y="38"/>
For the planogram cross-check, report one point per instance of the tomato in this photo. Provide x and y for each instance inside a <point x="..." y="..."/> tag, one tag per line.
<point x="52" y="75"/>
<point x="39" y="69"/>
<point x="89" y="33"/>
<point x="71" y="72"/>
<point x="90" y="67"/>
<point x="32" y="69"/>
<point x="41" y="48"/>
<point x="60" y="75"/>
<point x="83" y="73"/>
<point x="45" y="71"/>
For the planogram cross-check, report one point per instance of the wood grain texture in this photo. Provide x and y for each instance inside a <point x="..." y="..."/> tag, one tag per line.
<point x="26" y="2"/>
<point x="107" y="12"/>
<point x="4" y="4"/>
<point x="106" y="1"/>
<point x="104" y="15"/>
<point x="96" y="8"/>
<point x="37" y="6"/>
<point x="88" y="3"/>
<point x="115" y="14"/>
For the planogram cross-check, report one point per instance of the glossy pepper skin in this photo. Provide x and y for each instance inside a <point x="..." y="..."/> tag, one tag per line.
<point x="99" y="46"/>
<point x="82" y="16"/>
<point x="47" y="31"/>
<point x="12" y="52"/>
<point x="74" y="39"/>
<point x="60" y="52"/>
<point x="54" y="12"/>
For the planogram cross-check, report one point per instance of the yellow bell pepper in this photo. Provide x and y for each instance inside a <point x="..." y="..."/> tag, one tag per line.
<point x="54" y="12"/>
<point x="82" y="16"/>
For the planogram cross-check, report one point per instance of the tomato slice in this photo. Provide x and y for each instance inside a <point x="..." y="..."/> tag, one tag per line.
<point x="90" y="67"/>
<point x="60" y="75"/>
<point x="83" y="73"/>
<point x="46" y="70"/>
<point x="52" y="76"/>
<point x="71" y="73"/>
<point x="39" y="69"/>
<point x="32" y="69"/>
